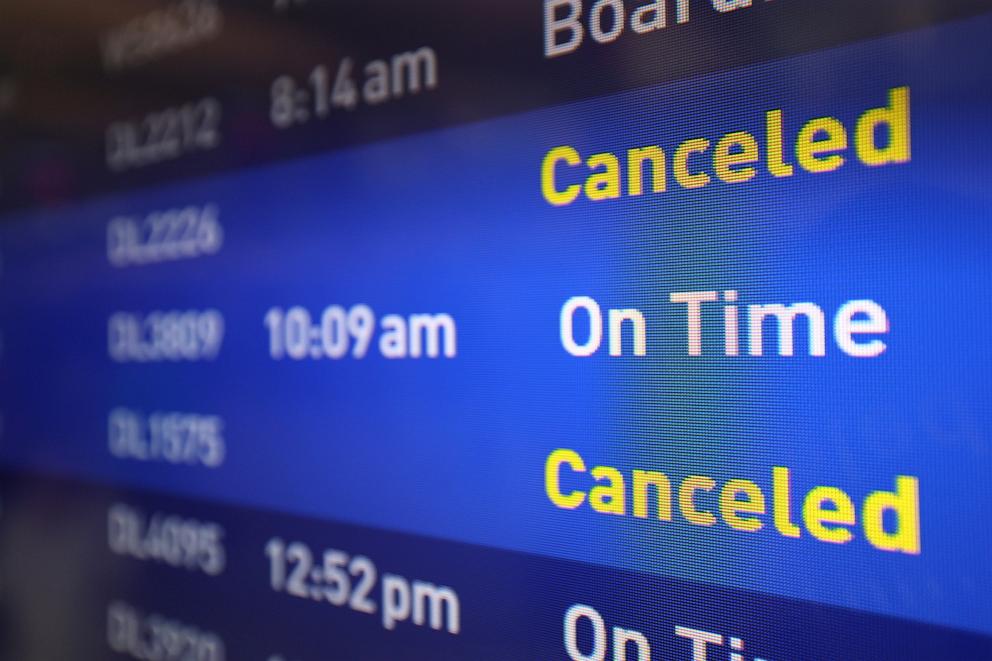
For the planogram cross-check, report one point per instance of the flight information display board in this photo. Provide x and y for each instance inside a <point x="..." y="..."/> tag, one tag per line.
<point x="540" y="329"/>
